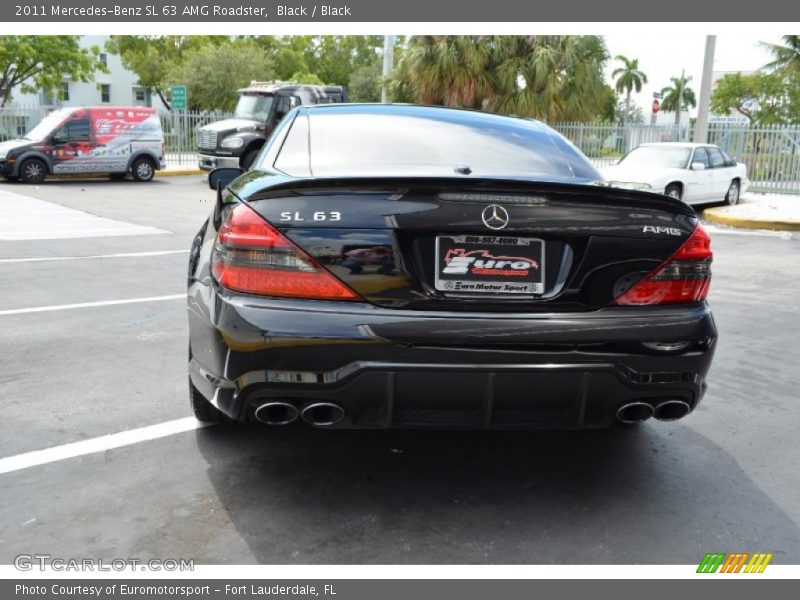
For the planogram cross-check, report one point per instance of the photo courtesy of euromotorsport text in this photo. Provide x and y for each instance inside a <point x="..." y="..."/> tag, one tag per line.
<point x="398" y="300"/>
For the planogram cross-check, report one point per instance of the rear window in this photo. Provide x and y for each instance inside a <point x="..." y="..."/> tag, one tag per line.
<point x="416" y="142"/>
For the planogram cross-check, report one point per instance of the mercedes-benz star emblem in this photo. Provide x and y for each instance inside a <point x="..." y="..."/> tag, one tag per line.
<point x="495" y="216"/>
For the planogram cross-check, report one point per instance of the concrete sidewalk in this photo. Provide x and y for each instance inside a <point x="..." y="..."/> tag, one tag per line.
<point x="759" y="211"/>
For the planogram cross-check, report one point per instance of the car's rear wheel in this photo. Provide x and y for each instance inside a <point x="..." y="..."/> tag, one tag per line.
<point x="673" y="191"/>
<point x="33" y="170"/>
<point x="734" y="191"/>
<point x="143" y="169"/>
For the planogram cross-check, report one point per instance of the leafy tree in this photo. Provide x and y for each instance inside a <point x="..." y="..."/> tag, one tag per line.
<point x="764" y="98"/>
<point x="365" y="84"/>
<point x="628" y="78"/>
<point x="153" y="57"/>
<point x="629" y="113"/>
<point x="214" y="73"/>
<point x="672" y="96"/>
<point x="786" y="56"/>
<point x="36" y="62"/>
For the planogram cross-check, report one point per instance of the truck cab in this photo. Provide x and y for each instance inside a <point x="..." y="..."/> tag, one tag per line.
<point x="236" y="142"/>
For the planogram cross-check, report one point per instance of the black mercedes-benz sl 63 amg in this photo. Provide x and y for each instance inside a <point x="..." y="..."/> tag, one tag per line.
<point x="392" y="266"/>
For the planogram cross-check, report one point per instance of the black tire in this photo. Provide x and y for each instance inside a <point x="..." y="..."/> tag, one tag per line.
<point x="249" y="158"/>
<point x="733" y="193"/>
<point x="117" y="176"/>
<point x="674" y="190"/>
<point x="143" y="169"/>
<point x="203" y="410"/>
<point x="33" y="170"/>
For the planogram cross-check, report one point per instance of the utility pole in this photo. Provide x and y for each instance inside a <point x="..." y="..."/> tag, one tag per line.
<point x="388" y="61"/>
<point x="701" y="127"/>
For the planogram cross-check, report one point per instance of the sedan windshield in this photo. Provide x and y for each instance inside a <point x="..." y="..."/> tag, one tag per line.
<point x="254" y="107"/>
<point x="673" y="157"/>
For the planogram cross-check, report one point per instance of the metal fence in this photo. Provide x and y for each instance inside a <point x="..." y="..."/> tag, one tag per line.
<point x="772" y="154"/>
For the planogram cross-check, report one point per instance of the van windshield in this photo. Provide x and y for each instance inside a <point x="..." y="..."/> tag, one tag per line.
<point x="254" y="107"/>
<point x="45" y="127"/>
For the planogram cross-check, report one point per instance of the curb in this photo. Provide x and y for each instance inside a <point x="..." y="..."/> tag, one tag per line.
<point x="720" y="216"/>
<point x="178" y="172"/>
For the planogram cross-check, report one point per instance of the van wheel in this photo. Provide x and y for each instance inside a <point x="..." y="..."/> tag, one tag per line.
<point x="33" y="170"/>
<point x="142" y="169"/>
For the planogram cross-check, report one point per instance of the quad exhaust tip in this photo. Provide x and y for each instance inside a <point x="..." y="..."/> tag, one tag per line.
<point x="322" y="414"/>
<point x="635" y="412"/>
<point x="277" y="412"/>
<point x="671" y="410"/>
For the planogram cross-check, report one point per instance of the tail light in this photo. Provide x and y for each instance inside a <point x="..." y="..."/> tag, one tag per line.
<point x="253" y="257"/>
<point x="684" y="277"/>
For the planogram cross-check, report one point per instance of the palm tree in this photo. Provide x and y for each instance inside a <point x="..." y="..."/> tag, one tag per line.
<point x="557" y="78"/>
<point x="628" y="78"/>
<point x="450" y="70"/>
<point x="787" y="55"/>
<point x="677" y="97"/>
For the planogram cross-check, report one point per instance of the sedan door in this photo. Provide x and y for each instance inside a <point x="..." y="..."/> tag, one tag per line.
<point x="721" y="174"/>
<point x="698" y="181"/>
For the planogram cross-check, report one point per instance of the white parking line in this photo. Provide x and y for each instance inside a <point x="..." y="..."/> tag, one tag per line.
<point x="98" y="444"/>
<point x="123" y="255"/>
<point x="36" y="309"/>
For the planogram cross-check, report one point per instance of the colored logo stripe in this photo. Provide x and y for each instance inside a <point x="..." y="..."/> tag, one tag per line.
<point x="734" y="563"/>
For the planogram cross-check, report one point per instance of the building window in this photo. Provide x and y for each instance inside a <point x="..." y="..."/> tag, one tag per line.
<point x="139" y="96"/>
<point x="65" y="91"/>
<point x="104" y="58"/>
<point x="105" y="93"/>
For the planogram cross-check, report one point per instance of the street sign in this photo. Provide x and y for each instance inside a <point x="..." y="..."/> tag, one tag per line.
<point x="179" y="97"/>
<point x="656" y="105"/>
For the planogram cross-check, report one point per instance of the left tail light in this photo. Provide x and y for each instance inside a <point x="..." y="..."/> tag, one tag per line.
<point x="253" y="257"/>
<point x="684" y="277"/>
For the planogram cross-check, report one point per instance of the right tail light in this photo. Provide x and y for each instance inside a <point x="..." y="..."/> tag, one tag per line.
<point x="683" y="277"/>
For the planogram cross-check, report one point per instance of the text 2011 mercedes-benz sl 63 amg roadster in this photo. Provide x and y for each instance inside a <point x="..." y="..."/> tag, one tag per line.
<point x="388" y="266"/>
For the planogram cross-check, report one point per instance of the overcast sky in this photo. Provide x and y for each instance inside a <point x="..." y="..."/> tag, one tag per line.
<point x="663" y="55"/>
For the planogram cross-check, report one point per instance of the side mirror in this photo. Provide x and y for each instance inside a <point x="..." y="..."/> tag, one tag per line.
<point x="698" y="166"/>
<point x="221" y="177"/>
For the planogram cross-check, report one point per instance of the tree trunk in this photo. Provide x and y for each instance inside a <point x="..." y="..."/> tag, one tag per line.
<point x="164" y="100"/>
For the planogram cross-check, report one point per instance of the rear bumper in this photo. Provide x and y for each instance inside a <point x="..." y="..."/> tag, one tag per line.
<point x="394" y="368"/>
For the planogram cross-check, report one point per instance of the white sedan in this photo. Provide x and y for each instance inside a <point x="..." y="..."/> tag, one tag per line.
<point x="694" y="173"/>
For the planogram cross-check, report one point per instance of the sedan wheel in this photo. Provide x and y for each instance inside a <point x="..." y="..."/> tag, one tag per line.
<point x="732" y="197"/>
<point x="673" y="191"/>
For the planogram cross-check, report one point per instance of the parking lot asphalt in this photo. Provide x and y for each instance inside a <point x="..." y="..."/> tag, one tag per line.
<point x="723" y="479"/>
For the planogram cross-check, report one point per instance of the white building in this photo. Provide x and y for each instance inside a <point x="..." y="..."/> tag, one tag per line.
<point x="118" y="87"/>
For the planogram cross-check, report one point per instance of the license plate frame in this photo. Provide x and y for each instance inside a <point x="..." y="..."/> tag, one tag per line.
<point x="489" y="265"/>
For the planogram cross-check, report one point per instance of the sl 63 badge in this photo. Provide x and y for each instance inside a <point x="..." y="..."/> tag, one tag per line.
<point x="320" y="215"/>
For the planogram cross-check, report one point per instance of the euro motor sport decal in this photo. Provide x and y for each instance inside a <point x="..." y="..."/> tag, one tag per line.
<point x="489" y="264"/>
<point x="112" y="136"/>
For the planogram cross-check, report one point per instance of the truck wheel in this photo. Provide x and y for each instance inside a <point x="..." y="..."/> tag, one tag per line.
<point x="249" y="158"/>
<point x="143" y="169"/>
<point x="33" y="170"/>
